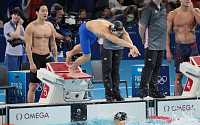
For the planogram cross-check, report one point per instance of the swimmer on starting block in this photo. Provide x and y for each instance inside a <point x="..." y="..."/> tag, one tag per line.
<point x="89" y="32"/>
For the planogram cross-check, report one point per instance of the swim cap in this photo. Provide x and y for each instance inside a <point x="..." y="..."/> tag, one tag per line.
<point x="120" y="116"/>
<point x="116" y="26"/>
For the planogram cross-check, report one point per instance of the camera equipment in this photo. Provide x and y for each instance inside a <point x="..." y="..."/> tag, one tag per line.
<point x="72" y="21"/>
<point x="61" y="45"/>
<point x="70" y="24"/>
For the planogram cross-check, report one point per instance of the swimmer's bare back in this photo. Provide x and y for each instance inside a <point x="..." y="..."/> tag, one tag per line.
<point x="101" y="28"/>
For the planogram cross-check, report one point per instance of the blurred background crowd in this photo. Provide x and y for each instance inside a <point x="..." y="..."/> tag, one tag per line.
<point x="80" y="9"/>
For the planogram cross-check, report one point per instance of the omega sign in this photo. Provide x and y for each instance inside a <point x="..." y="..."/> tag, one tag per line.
<point x="27" y="116"/>
<point x="174" y="108"/>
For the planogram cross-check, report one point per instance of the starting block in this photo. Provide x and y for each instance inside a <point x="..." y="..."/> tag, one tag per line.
<point x="192" y="71"/>
<point x="60" y="87"/>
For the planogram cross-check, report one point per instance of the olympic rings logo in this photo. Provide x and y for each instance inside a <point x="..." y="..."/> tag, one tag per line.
<point x="39" y="87"/>
<point x="162" y="79"/>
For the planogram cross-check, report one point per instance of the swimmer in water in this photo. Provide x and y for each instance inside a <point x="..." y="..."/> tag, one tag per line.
<point x="120" y="118"/>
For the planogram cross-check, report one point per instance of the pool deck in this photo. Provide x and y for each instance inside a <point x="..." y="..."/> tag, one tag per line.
<point x="101" y="101"/>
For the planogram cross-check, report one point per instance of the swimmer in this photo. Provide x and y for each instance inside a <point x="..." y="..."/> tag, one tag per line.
<point x="184" y="21"/>
<point x="120" y="118"/>
<point x="89" y="32"/>
<point x="38" y="35"/>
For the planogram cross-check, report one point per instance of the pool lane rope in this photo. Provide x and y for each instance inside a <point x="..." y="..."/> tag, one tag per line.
<point x="168" y="119"/>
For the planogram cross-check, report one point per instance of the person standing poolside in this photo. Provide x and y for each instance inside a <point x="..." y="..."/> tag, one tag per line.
<point x="153" y="30"/>
<point x="183" y="20"/>
<point x="111" y="55"/>
<point x="38" y="35"/>
<point x="14" y="30"/>
<point x="89" y="32"/>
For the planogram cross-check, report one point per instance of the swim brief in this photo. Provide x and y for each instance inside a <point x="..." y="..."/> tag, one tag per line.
<point x="86" y="39"/>
<point x="183" y="52"/>
<point x="40" y="62"/>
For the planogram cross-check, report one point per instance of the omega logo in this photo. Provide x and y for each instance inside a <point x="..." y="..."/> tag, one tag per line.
<point x="37" y="115"/>
<point x="183" y="107"/>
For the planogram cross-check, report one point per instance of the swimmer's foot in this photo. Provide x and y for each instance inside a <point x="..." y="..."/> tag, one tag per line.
<point x="72" y="73"/>
<point x="68" y="59"/>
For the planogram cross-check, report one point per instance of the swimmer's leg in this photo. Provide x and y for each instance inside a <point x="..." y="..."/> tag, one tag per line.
<point x="178" y="84"/>
<point x="77" y="49"/>
<point x="79" y="61"/>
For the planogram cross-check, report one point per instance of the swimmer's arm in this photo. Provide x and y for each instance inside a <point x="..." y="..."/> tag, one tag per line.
<point x="28" y="39"/>
<point x="53" y="46"/>
<point x="133" y="51"/>
<point x="142" y="32"/>
<point x="117" y="40"/>
<point x="196" y="13"/>
<point x="169" y="55"/>
<point x="52" y="42"/>
<point x="126" y="37"/>
<point x="169" y="28"/>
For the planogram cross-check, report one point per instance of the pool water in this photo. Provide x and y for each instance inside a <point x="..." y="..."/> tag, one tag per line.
<point x="186" y="120"/>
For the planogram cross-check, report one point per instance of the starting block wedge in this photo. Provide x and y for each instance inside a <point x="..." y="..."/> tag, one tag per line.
<point x="60" y="87"/>
<point x="192" y="71"/>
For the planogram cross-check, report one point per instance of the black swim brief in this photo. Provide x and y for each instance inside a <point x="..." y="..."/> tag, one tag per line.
<point x="40" y="62"/>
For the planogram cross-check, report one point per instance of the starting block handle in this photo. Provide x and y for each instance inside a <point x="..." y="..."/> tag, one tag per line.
<point x="90" y="92"/>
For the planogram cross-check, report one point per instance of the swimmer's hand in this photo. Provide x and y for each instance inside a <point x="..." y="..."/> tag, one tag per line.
<point x="191" y="7"/>
<point x="33" y="68"/>
<point x="169" y="56"/>
<point x="134" y="52"/>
